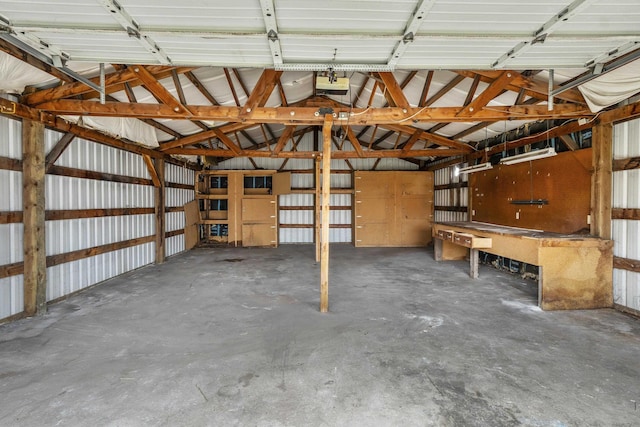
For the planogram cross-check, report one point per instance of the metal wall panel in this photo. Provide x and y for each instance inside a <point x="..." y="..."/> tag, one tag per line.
<point x="64" y="236"/>
<point x="11" y="235"/>
<point x="174" y="245"/>
<point x="176" y="197"/>
<point x="10" y="138"/>
<point x="626" y="233"/>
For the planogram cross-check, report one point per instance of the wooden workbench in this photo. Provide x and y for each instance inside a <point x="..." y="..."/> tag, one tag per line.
<point x="575" y="270"/>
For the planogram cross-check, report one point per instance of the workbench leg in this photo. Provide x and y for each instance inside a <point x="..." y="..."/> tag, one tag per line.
<point x="473" y="262"/>
<point x="437" y="249"/>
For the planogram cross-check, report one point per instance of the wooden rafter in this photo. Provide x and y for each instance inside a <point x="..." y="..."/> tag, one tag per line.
<point x="157" y="89"/>
<point x="232" y="87"/>
<point x="425" y="89"/>
<point x="496" y="87"/>
<point x="58" y="149"/>
<point x="198" y="85"/>
<point x="114" y="82"/>
<point x="534" y="88"/>
<point x="393" y="92"/>
<point x="282" y="141"/>
<point x="442" y="92"/>
<point x="262" y="90"/>
<point x="373" y="154"/>
<point x="228" y="142"/>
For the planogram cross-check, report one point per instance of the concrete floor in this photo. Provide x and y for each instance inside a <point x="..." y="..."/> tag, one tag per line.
<point x="225" y="337"/>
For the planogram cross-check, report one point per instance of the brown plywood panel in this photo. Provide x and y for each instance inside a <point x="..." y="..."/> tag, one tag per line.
<point x="414" y="208"/>
<point x="259" y="210"/>
<point x="371" y="235"/>
<point x="374" y="210"/>
<point x="373" y="184"/>
<point x="281" y="183"/>
<point x="218" y="214"/>
<point x="259" y="235"/>
<point x="415" y="233"/>
<point x="414" y="183"/>
<point x="563" y="180"/>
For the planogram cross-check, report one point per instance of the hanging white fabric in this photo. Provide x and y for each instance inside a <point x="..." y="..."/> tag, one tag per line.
<point x="612" y="87"/>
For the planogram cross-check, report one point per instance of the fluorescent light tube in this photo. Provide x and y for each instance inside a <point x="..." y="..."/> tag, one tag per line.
<point x="476" y="168"/>
<point x="531" y="155"/>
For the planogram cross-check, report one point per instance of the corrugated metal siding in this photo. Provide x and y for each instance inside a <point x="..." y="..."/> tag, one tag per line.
<point x="74" y="193"/>
<point x="176" y="197"/>
<point x="10" y="137"/>
<point x="450" y="197"/>
<point x="626" y="233"/>
<point x="11" y="288"/>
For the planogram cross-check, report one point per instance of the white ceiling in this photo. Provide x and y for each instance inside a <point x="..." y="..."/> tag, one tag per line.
<point x="351" y="34"/>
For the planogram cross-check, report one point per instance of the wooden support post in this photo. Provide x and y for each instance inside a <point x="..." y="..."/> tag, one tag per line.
<point x="35" y="261"/>
<point x="601" y="180"/>
<point x="160" y="211"/>
<point x="326" y="194"/>
<point x="318" y="201"/>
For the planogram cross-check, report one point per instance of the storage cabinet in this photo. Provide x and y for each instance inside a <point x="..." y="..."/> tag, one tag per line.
<point x="240" y="207"/>
<point x="393" y="208"/>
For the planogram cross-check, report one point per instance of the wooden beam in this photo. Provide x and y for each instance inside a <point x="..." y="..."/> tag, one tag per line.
<point x="626" y="264"/>
<point x="33" y="184"/>
<point x="430" y="137"/>
<point x="231" y="86"/>
<point x="148" y="161"/>
<point x="568" y="141"/>
<point x="317" y="205"/>
<point x="620" y="114"/>
<point x="308" y="115"/>
<point x="262" y="90"/>
<point x="114" y="82"/>
<point x="100" y="176"/>
<point x="425" y="89"/>
<point x="357" y="146"/>
<point x="494" y="89"/>
<point x="601" y="180"/>
<point x="393" y="92"/>
<point x="10" y="164"/>
<point x="533" y="88"/>
<point x="235" y="149"/>
<point x="326" y="197"/>
<point x="446" y="89"/>
<point x="203" y="90"/>
<point x="282" y="141"/>
<point x="622" y="164"/>
<point x="625" y="213"/>
<point x="203" y="136"/>
<point x="159" y="200"/>
<point x="371" y="154"/>
<point x="58" y="149"/>
<point x="157" y="89"/>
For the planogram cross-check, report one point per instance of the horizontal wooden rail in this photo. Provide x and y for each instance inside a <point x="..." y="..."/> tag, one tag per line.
<point x="625" y="213"/>
<point x="312" y="226"/>
<point x="626" y="264"/>
<point x="53" y="260"/>
<point x="451" y="186"/>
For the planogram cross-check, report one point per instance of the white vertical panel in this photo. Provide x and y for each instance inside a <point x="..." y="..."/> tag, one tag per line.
<point x="626" y="233"/>
<point x="11" y="235"/>
<point x="10" y="138"/>
<point x="11" y="296"/>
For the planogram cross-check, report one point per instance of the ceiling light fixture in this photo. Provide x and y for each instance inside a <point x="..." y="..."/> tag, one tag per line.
<point x="531" y="155"/>
<point x="476" y="168"/>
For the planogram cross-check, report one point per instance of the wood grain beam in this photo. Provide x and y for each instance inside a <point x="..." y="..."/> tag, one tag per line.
<point x="534" y="88"/>
<point x="33" y="202"/>
<point x="326" y="197"/>
<point x="308" y="115"/>
<point x="430" y="137"/>
<point x="235" y="149"/>
<point x="159" y="201"/>
<point x="203" y="90"/>
<point x="494" y="89"/>
<point x="262" y="90"/>
<point x="373" y="154"/>
<point x="446" y="89"/>
<point x="282" y="141"/>
<point x="58" y="149"/>
<point x="157" y="89"/>
<point x="393" y="92"/>
<point x="114" y="82"/>
<point x="148" y="161"/>
<point x="625" y="213"/>
<point x="425" y="89"/>
<point x="626" y="164"/>
<point x="601" y="180"/>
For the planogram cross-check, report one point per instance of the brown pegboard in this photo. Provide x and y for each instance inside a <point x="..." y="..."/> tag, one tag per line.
<point x="563" y="180"/>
